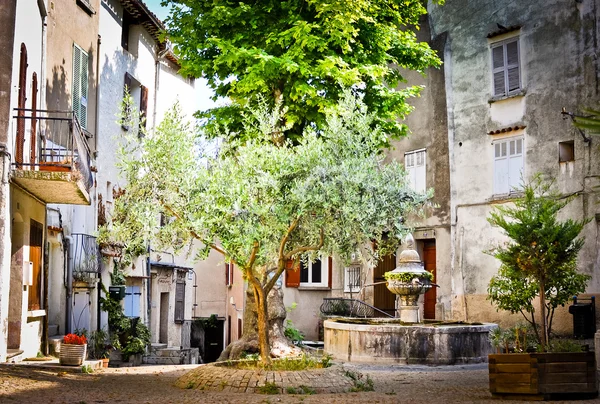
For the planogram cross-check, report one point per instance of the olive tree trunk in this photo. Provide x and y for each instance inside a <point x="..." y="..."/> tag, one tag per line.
<point x="272" y="315"/>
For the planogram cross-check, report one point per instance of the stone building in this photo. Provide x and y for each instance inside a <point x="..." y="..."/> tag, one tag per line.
<point x="490" y="117"/>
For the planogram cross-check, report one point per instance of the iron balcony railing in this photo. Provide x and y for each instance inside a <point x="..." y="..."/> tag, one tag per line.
<point x="86" y="254"/>
<point x="339" y="306"/>
<point x="51" y="141"/>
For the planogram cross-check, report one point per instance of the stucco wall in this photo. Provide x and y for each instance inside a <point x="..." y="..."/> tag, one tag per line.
<point x="557" y="41"/>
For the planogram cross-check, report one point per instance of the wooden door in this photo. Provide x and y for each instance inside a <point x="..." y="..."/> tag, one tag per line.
<point x="163" y="333"/>
<point x="36" y="233"/>
<point x="431" y="295"/>
<point x="383" y="299"/>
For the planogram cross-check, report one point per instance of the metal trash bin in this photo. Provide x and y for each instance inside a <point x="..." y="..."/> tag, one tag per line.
<point x="584" y="317"/>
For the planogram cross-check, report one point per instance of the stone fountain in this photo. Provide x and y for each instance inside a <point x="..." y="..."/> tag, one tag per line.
<point x="408" y="281"/>
<point x="407" y="340"/>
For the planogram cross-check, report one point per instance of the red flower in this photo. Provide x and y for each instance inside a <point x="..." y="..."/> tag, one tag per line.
<point x="74" y="339"/>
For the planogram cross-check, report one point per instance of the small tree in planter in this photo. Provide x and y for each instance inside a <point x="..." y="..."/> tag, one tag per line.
<point x="540" y="260"/>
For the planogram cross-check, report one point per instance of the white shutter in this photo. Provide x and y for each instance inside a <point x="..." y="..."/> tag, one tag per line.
<point x="81" y="311"/>
<point x="132" y="301"/>
<point x="515" y="163"/>
<point x="512" y="66"/>
<point x="415" y="166"/>
<point x="498" y="70"/>
<point x="500" y="168"/>
<point x="84" y="90"/>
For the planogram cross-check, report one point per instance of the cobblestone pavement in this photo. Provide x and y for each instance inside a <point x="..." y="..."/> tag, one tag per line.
<point x="155" y="384"/>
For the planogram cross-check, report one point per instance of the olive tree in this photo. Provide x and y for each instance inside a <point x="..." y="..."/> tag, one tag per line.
<point x="262" y="203"/>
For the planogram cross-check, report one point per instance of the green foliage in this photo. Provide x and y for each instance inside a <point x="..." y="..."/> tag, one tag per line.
<point x="590" y="122"/>
<point x="518" y="339"/>
<point x="360" y="382"/>
<point x="266" y="203"/>
<point x="87" y="369"/>
<point x="292" y="332"/>
<point x="540" y="259"/>
<point x="206" y="323"/>
<point x="98" y="344"/>
<point x="565" y="345"/>
<point x="407" y="277"/>
<point x="252" y="361"/>
<point x="268" y="388"/>
<point x="129" y="335"/>
<point x="304" y="53"/>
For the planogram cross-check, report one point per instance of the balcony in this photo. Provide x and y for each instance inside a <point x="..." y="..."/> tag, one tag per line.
<point x="86" y="258"/>
<point x="52" y="157"/>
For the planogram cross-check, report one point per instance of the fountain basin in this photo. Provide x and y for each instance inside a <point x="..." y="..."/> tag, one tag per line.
<point x="389" y="341"/>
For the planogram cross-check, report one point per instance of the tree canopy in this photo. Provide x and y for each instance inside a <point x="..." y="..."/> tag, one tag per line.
<point x="540" y="259"/>
<point x="304" y="52"/>
<point x="264" y="204"/>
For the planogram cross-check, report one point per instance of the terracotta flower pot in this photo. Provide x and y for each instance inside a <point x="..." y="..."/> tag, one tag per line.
<point x="72" y="355"/>
<point x="105" y="362"/>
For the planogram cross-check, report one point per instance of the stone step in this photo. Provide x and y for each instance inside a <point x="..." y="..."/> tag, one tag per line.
<point x="168" y="352"/>
<point x="14" y="355"/>
<point x="162" y="360"/>
<point x="156" y="346"/>
<point x="52" y="330"/>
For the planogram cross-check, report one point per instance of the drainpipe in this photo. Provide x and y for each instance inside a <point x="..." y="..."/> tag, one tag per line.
<point x="69" y="284"/>
<point x="97" y="123"/>
<point x="148" y="291"/>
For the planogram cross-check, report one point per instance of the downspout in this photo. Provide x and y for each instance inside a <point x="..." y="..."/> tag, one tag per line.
<point x="69" y="282"/>
<point x="97" y="123"/>
<point x="148" y="290"/>
<point x="94" y="209"/>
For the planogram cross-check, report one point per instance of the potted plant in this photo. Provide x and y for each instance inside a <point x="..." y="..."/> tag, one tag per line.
<point x="73" y="350"/>
<point x="100" y="347"/>
<point x="538" y="264"/>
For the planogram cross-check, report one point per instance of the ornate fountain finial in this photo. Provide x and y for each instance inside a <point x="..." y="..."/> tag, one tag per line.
<point x="409" y="254"/>
<point x="410" y="242"/>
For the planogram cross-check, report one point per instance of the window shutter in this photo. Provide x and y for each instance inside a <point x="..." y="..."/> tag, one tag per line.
<point x="498" y="70"/>
<point x="292" y="274"/>
<point x="22" y="98"/>
<point x="80" y="85"/>
<point x="420" y="172"/>
<point x="179" y="302"/>
<point x="144" y="106"/>
<point x="512" y="66"/>
<point x="515" y="163"/>
<point x="329" y="271"/>
<point x="500" y="168"/>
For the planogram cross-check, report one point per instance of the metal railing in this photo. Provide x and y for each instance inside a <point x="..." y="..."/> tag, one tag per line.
<point x="54" y="140"/>
<point x="86" y="254"/>
<point x="340" y="306"/>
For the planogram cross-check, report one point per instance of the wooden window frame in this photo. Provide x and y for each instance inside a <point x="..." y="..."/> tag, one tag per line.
<point x="179" y="311"/>
<point x="512" y="182"/>
<point x="415" y="162"/>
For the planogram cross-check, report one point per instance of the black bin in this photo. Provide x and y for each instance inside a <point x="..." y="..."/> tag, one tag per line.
<point x="584" y="317"/>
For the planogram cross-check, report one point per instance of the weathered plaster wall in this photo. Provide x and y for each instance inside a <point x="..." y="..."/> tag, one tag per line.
<point x="557" y="44"/>
<point x="7" y="26"/>
<point x="25" y="327"/>
<point x="428" y="130"/>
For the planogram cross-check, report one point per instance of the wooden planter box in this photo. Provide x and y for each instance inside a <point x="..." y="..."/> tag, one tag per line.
<point x="541" y="376"/>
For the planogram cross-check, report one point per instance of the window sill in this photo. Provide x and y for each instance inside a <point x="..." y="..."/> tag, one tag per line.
<point x="351" y="291"/>
<point x="315" y="288"/>
<point x="516" y="94"/>
<point x="86" y="6"/>
<point x="36" y="313"/>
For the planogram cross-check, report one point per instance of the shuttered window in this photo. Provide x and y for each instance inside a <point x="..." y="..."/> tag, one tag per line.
<point x="229" y="274"/>
<point x="508" y="164"/>
<point x="80" y="85"/>
<point x="506" y="70"/>
<point x="414" y="164"/>
<point x="132" y="301"/>
<point x="179" y="302"/>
